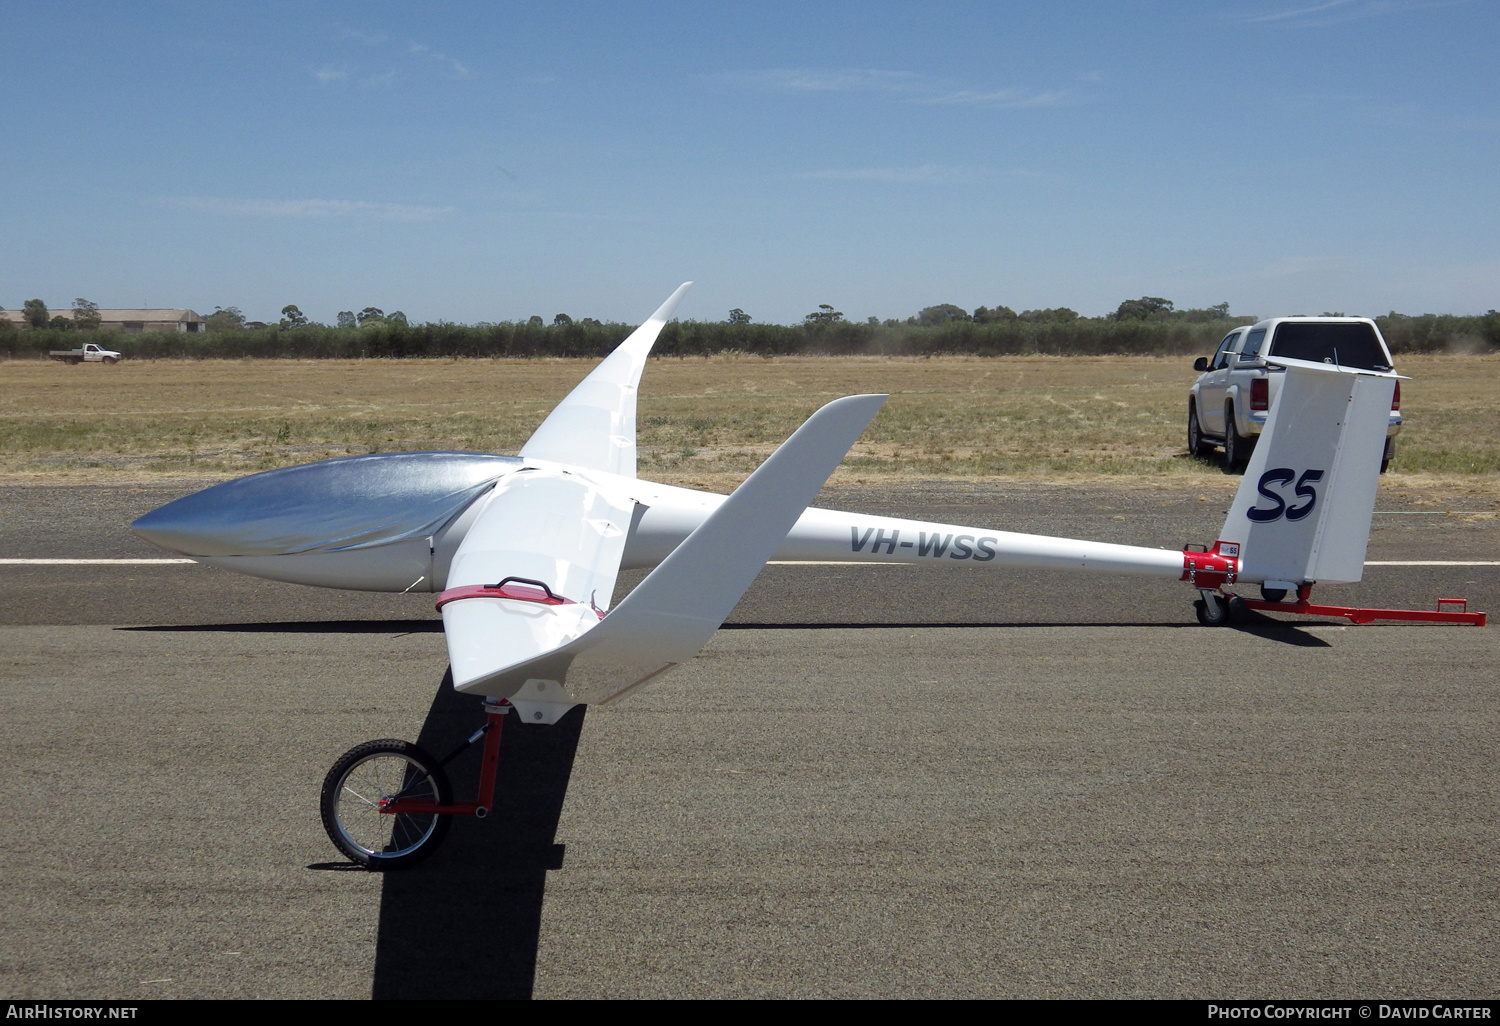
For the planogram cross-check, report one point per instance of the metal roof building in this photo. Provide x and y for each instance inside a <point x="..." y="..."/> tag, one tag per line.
<point x="131" y="322"/>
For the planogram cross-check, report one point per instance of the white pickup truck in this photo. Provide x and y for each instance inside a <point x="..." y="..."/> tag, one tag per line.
<point x="89" y="353"/>
<point x="1229" y="403"/>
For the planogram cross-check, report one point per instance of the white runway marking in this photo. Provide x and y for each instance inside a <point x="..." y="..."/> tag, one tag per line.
<point x="91" y="562"/>
<point x="774" y="562"/>
<point x="1432" y="562"/>
<point x="1368" y="562"/>
<point x="827" y="562"/>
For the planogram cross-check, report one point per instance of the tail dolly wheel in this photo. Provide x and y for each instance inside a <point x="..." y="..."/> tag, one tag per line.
<point x="387" y="804"/>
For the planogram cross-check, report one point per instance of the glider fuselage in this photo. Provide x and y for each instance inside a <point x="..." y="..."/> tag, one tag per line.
<point x="393" y="522"/>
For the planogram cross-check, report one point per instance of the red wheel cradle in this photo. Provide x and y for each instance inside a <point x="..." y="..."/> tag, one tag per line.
<point x="1211" y="570"/>
<point x="1357" y="615"/>
<point x="494" y="719"/>
<point x="387" y="804"/>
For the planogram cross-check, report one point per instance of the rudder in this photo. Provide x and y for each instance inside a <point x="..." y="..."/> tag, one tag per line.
<point x="1303" y="512"/>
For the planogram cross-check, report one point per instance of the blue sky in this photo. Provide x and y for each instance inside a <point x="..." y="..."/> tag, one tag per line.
<point x="490" y="161"/>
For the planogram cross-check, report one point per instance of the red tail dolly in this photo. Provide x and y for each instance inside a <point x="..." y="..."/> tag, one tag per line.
<point x="1211" y="570"/>
<point x="1357" y="615"/>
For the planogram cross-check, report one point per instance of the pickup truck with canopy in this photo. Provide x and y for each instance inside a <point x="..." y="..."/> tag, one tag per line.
<point x="1229" y="403"/>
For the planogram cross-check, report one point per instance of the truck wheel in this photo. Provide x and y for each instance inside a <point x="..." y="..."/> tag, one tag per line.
<point x="110" y="359"/>
<point x="1236" y="445"/>
<point x="1196" y="444"/>
<point x="72" y="361"/>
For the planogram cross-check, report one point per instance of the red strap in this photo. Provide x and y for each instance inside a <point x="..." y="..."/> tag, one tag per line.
<point x="519" y="592"/>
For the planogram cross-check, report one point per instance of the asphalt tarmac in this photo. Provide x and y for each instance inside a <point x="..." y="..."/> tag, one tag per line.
<point x="876" y="782"/>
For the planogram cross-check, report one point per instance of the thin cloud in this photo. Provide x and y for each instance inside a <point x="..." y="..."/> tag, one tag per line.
<point x="414" y="59"/>
<point x="360" y="36"/>
<point x="810" y="80"/>
<point x="1415" y="116"/>
<point x="925" y="174"/>
<point x="1332" y="12"/>
<point x="456" y="68"/>
<point x="576" y="215"/>
<point x="1300" y="12"/>
<point x="1409" y="116"/>
<point x="1002" y="99"/>
<point x="916" y="88"/>
<point x="307" y="209"/>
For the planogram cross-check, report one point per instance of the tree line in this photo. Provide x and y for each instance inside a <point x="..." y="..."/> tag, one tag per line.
<point x="1146" y="326"/>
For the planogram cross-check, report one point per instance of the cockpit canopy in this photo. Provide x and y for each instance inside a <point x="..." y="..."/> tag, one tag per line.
<point x="350" y="503"/>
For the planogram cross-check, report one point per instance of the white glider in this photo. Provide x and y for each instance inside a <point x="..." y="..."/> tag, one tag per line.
<point x="524" y="551"/>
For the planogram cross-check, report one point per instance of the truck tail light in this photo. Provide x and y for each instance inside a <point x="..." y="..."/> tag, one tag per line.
<point x="1260" y="394"/>
<point x="1396" y="399"/>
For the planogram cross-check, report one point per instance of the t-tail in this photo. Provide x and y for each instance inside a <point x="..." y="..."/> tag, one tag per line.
<point x="1302" y="514"/>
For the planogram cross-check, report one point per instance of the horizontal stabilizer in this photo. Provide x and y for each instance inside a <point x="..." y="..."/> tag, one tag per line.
<point x="678" y="607"/>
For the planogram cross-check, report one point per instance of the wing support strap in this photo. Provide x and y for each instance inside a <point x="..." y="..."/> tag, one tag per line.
<point x="522" y="589"/>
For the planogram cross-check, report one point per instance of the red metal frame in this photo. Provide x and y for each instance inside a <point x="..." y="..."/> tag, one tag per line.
<point x="487" y="766"/>
<point x="1362" y="616"/>
<point x="1212" y="569"/>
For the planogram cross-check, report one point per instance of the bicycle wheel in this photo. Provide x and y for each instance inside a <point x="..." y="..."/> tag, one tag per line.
<point x="352" y="793"/>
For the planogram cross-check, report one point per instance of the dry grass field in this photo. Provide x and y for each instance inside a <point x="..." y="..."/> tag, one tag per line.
<point x="702" y="422"/>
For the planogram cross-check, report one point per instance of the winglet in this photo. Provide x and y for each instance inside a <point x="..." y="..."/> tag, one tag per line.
<point x="594" y="426"/>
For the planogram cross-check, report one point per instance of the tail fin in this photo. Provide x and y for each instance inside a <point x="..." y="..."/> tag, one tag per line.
<point x="594" y="425"/>
<point x="1303" y="511"/>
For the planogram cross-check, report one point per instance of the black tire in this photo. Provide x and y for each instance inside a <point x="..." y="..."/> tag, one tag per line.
<point x="1197" y="445"/>
<point x="72" y="361"/>
<point x="110" y="359"/>
<point x="362" y="777"/>
<point x="1218" y="617"/>
<point x="1236" y="445"/>
<point x="1272" y="594"/>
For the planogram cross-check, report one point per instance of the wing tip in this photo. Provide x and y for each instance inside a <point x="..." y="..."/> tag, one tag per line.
<point x="665" y="310"/>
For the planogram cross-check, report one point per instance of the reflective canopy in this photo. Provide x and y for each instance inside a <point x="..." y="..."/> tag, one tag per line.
<point x="350" y="503"/>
